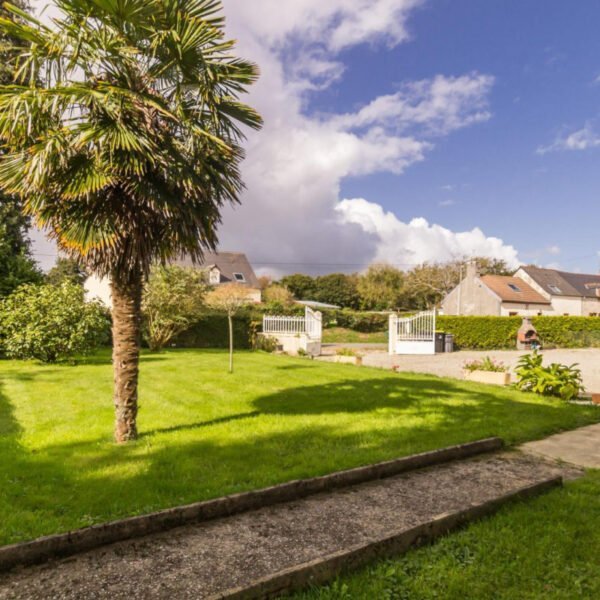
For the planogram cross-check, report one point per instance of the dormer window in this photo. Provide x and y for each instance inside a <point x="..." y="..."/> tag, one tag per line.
<point x="514" y="288"/>
<point x="239" y="277"/>
<point x="214" y="277"/>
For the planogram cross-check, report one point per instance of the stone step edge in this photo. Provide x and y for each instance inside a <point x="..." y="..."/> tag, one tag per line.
<point x="81" y="540"/>
<point x="327" y="568"/>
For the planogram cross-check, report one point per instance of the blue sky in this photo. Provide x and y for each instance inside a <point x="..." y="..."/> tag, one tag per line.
<point x="405" y="131"/>
<point x="545" y="57"/>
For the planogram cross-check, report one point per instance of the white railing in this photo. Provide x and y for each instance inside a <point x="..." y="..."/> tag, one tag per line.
<point x="284" y="325"/>
<point x="311" y="325"/>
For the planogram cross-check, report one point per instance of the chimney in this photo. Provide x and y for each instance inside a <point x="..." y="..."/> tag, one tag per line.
<point x="472" y="270"/>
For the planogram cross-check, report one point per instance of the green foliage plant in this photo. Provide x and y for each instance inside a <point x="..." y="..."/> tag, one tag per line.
<point x="485" y="364"/>
<point x="51" y="323"/>
<point x="557" y="380"/>
<point x="173" y="300"/>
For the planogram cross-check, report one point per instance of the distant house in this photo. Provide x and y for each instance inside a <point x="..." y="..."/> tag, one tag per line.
<point x="221" y="267"/>
<point x="529" y="292"/>
<point x="494" y="295"/>
<point x="575" y="294"/>
<point x="228" y="267"/>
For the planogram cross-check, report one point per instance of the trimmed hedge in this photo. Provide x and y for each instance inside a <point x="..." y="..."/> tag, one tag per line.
<point x="212" y="331"/>
<point x="498" y="333"/>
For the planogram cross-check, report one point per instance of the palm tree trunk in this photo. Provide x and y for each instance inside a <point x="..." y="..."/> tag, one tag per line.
<point x="126" y="314"/>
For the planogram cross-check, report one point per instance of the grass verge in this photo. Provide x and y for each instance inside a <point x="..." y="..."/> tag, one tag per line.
<point x="546" y="548"/>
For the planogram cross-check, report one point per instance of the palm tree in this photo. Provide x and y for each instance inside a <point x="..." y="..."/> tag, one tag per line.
<point x="122" y="136"/>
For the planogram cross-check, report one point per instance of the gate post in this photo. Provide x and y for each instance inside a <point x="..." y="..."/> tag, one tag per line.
<point x="393" y="333"/>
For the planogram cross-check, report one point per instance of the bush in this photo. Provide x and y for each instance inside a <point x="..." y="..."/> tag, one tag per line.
<point x="487" y="364"/>
<point x="211" y="331"/>
<point x="51" y="323"/>
<point x="481" y="333"/>
<point x="556" y="380"/>
<point x="173" y="299"/>
<point x="363" y="322"/>
<point x="497" y="333"/>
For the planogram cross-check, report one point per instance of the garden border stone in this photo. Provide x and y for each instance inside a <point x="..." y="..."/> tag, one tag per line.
<point x="88" y="538"/>
<point x="325" y="569"/>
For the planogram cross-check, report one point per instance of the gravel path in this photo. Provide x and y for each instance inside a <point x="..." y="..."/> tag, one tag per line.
<point x="202" y="560"/>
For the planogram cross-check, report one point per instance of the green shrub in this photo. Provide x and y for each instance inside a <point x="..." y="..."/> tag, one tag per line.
<point x="211" y="331"/>
<point x="557" y="380"/>
<point x="481" y="333"/>
<point x="497" y="333"/>
<point x="363" y="322"/>
<point x="51" y="323"/>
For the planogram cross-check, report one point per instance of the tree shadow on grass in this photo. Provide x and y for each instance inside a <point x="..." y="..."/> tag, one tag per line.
<point x="294" y="433"/>
<point x="201" y="424"/>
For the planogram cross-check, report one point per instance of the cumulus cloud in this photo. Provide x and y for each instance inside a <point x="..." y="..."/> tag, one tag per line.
<point x="291" y="216"/>
<point x="419" y="241"/>
<point x="583" y="139"/>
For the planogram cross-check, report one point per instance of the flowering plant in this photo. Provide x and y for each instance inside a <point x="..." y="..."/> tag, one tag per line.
<point x="486" y="364"/>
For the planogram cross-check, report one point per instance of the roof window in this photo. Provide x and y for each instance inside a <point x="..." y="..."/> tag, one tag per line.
<point x="239" y="277"/>
<point x="555" y="289"/>
<point x="514" y="288"/>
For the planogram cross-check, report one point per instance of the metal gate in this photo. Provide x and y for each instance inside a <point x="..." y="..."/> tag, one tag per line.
<point x="413" y="335"/>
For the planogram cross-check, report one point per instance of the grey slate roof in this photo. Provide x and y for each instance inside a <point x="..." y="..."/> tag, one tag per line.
<point x="569" y="284"/>
<point x="228" y="263"/>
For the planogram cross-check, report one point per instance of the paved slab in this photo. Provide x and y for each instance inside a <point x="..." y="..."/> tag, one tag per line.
<point x="579" y="447"/>
<point x="450" y="365"/>
<point x="207" y="559"/>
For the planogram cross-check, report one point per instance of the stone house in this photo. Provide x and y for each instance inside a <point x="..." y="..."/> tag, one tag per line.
<point x="494" y="295"/>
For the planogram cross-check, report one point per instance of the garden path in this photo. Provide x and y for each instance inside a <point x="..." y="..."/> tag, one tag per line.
<point x="207" y="560"/>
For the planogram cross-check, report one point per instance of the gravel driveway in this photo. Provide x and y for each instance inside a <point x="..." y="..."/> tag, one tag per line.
<point x="450" y="365"/>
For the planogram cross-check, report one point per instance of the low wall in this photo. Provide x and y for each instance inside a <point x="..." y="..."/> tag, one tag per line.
<point x="295" y="343"/>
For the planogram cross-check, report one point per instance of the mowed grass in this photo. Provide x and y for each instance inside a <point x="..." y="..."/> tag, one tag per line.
<point x="544" y="548"/>
<point x="205" y="433"/>
<point x="340" y="335"/>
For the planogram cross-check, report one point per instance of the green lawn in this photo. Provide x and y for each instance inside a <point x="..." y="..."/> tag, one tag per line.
<point x="545" y="548"/>
<point x="205" y="433"/>
<point x="339" y="335"/>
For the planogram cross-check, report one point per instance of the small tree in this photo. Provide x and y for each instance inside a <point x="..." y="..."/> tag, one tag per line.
<point x="66" y="270"/>
<point x="228" y="298"/>
<point x="172" y="301"/>
<point x="302" y="286"/>
<point x="380" y="288"/>
<point x="51" y="323"/>
<point x="339" y="289"/>
<point x="277" y="294"/>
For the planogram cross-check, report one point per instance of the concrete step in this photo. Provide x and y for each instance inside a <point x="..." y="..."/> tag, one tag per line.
<point x="265" y="552"/>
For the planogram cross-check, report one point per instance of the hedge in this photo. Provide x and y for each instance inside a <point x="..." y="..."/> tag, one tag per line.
<point x="477" y="333"/>
<point x="212" y="331"/>
<point x="497" y="333"/>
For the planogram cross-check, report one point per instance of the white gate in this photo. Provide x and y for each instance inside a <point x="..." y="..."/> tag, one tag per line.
<point x="413" y="335"/>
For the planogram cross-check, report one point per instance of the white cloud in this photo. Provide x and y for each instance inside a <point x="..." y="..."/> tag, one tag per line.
<point x="583" y="139"/>
<point x="419" y="241"/>
<point x="553" y="250"/>
<point x="446" y="203"/>
<point x="295" y="166"/>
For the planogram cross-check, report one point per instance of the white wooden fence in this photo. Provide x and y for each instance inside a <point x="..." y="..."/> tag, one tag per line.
<point x="413" y="335"/>
<point x="311" y="324"/>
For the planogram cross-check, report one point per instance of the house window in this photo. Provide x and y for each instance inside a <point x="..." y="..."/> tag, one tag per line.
<point x="239" y="277"/>
<point x="593" y="314"/>
<point x="513" y="314"/>
<point x="514" y="287"/>
<point x="555" y="289"/>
